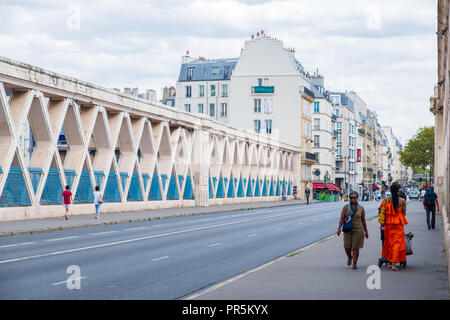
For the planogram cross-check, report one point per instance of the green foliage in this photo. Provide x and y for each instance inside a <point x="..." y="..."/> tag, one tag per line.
<point x="419" y="151"/>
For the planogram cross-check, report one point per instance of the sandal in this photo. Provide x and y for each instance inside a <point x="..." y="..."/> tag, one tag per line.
<point x="354" y="266"/>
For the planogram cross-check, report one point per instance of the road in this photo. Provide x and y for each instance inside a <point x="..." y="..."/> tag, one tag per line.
<point x="161" y="259"/>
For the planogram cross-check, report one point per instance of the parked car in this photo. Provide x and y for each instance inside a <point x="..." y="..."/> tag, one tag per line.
<point x="414" y="194"/>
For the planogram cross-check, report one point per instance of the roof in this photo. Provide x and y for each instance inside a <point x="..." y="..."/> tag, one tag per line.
<point x="203" y="69"/>
<point x="345" y="100"/>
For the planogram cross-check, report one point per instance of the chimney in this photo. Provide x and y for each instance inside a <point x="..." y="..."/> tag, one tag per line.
<point x="127" y="90"/>
<point x="135" y="92"/>
<point x="186" y="58"/>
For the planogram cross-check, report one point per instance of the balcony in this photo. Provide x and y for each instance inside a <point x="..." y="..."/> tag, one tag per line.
<point x="308" y="92"/>
<point x="333" y="117"/>
<point x="335" y="133"/>
<point x="361" y="132"/>
<point x="309" y="157"/>
<point x="263" y="89"/>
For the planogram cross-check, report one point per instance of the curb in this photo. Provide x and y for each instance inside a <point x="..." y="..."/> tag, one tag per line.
<point x="60" y="228"/>
<point x="202" y="292"/>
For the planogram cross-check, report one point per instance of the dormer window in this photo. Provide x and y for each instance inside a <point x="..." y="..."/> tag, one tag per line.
<point x="215" y="70"/>
<point x="190" y="73"/>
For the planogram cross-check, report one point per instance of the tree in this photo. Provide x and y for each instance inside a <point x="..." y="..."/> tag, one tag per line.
<point x="418" y="153"/>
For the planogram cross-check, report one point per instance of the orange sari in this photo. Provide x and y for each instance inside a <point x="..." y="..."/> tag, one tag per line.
<point x="394" y="235"/>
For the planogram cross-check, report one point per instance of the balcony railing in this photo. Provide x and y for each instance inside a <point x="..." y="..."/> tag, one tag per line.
<point x="361" y="132"/>
<point x="310" y="156"/>
<point x="333" y="117"/>
<point x="263" y="89"/>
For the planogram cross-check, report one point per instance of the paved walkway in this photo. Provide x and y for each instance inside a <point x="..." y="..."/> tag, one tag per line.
<point x="320" y="271"/>
<point x="9" y="228"/>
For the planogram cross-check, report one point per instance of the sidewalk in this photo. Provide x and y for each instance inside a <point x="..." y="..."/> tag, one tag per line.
<point x="320" y="271"/>
<point x="17" y="227"/>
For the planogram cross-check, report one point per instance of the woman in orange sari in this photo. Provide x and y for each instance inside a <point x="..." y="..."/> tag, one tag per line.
<point x="394" y="235"/>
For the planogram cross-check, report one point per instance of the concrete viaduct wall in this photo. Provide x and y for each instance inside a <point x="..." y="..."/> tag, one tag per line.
<point x="142" y="155"/>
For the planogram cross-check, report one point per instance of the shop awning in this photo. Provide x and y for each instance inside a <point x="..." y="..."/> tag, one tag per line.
<point x="330" y="186"/>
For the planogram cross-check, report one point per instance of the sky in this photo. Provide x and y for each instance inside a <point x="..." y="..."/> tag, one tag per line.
<point x="384" y="50"/>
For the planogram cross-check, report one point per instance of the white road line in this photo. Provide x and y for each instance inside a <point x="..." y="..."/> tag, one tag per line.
<point x="143" y="238"/>
<point x="99" y="233"/>
<point x="65" y="281"/>
<point x="16" y="244"/>
<point x="65" y="238"/>
<point x="157" y="225"/>
<point x="215" y="244"/>
<point x="137" y="228"/>
<point x="252" y="235"/>
<point x="162" y="258"/>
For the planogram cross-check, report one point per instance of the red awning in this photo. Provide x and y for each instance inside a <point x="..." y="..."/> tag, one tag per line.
<point x="375" y="187"/>
<point x="318" y="186"/>
<point x="333" y="187"/>
<point x="330" y="186"/>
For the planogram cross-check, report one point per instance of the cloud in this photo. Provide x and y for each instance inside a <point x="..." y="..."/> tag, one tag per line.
<point x="384" y="50"/>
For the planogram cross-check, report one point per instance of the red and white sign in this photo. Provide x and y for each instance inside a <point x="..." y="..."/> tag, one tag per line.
<point x="358" y="155"/>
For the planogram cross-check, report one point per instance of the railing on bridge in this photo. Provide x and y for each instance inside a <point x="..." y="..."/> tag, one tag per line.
<point x="142" y="155"/>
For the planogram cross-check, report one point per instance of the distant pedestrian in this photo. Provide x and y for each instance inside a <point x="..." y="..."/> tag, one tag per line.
<point x="430" y="203"/>
<point x="394" y="235"/>
<point x="422" y="193"/>
<point x="98" y="199"/>
<point x="307" y="193"/>
<point x="67" y="201"/>
<point x="354" y="239"/>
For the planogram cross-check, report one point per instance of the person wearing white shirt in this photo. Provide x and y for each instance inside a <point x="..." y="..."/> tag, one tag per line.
<point x="97" y="201"/>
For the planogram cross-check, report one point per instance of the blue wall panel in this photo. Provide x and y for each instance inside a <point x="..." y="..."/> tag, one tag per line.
<point x="70" y="176"/>
<point x="84" y="189"/>
<point x="15" y="192"/>
<point x="134" y="192"/>
<point x="52" y="193"/>
<point x="240" y="191"/>
<point x="35" y="176"/>
<point x="188" y="192"/>
<point x="172" y="193"/>
<point x="112" y="193"/>
<point x="155" y="191"/>
<point x="220" y="189"/>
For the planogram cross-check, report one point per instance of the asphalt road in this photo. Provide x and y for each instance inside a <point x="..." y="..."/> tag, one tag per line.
<point x="165" y="259"/>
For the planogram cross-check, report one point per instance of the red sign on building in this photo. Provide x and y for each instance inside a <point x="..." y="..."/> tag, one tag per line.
<point x="358" y="155"/>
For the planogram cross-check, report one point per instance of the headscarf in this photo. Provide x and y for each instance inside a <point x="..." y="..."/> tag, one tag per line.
<point x="351" y="210"/>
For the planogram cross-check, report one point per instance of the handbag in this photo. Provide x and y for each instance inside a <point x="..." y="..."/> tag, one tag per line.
<point x="382" y="212"/>
<point x="408" y="248"/>
<point x="348" y="225"/>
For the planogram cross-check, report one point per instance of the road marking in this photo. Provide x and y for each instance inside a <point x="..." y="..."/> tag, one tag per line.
<point x="159" y="259"/>
<point x="65" y="238"/>
<point x="252" y="235"/>
<point x="137" y="228"/>
<point x="99" y="233"/>
<point x="143" y="238"/>
<point x="16" y="244"/>
<point x="215" y="244"/>
<point x="65" y="281"/>
<point x="157" y="225"/>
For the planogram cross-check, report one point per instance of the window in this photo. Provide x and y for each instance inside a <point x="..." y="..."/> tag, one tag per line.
<point x="316" y="107"/>
<point x="268" y="105"/>
<point x="316" y="124"/>
<point x="215" y="70"/>
<point x="190" y="73"/>
<point x="187" y="107"/>
<point x="339" y="138"/>
<point x="335" y="99"/>
<point x="304" y="171"/>
<point x="338" y="125"/>
<point x="213" y="90"/>
<point x="188" y="91"/>
<point x="339" y="150"/>
<point x="200" y="108"/>
<point x="316" y="141"/>
<point x="201" y="90"/>
<point x="257" y="125"/>
<point x="336" y="112"/>
<point x="257" y="104"/>
<point x="268" y="126"/>
<point x="224" y="110"/>
<point x="224" y="90"/>
<point x="212" y="109"/>
<point x="260" y="83"/>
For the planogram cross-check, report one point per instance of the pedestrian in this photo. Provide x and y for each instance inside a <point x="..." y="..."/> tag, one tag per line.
<point x="98" y="199"/>
<point x="394" y="234"/>
<point x="430" y="204"/>
<point x="422" y="193"/>
<point x="67" y="200"/>
<point x="307" y="193"/>
<point x="354" y="239"/>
